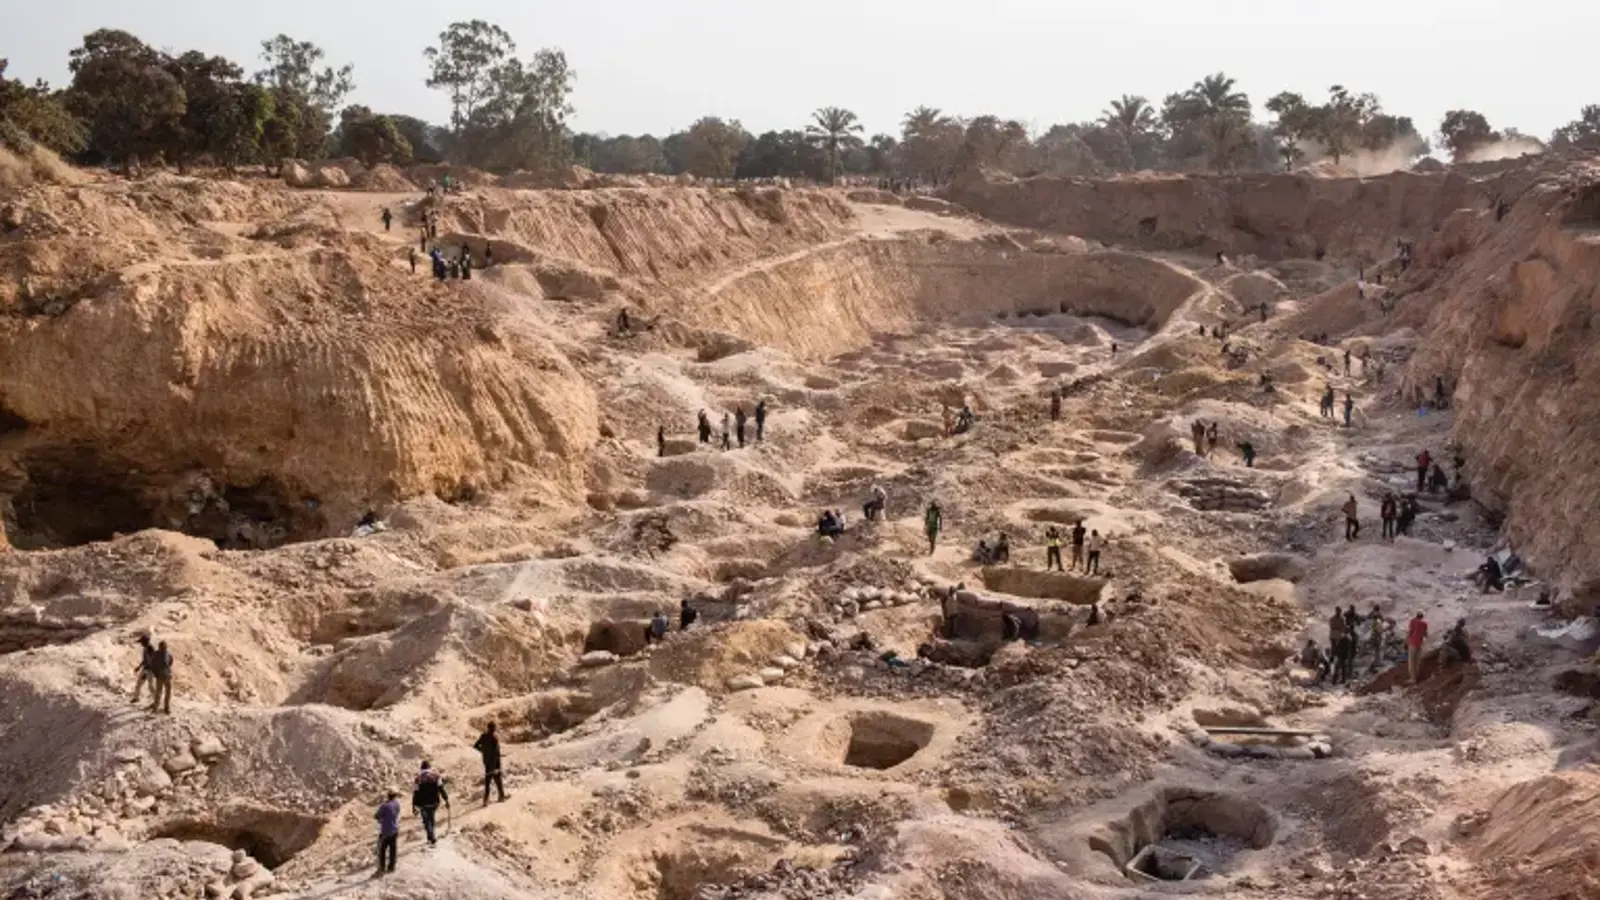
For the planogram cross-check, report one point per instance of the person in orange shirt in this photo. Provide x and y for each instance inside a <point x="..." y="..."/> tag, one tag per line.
<point x="1416" y="635"/>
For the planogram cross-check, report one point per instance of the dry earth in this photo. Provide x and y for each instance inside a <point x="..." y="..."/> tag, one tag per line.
<point x="204" y="384"/>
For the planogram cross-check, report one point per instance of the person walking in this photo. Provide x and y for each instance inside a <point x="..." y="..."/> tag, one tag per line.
<point x="1424" y="463"/>
<point x="147" y="653"/>
<point x="1416" y="636"/>
<point x="388" y="217"/>
<point x="488" y="746"/>
<point x="161" y="679"/>
<point x="727" y="437"/>
<point x="411" y="257"/>
<point x="1352" y="525"/>
<point x="1055" y="404"/>
<point x="661" y="440"/>
<point x="427" y="793"/>
<point x="388" y="817"/>
<point x="932" y="521"/>
<point x="739" y="419"/>
<point x="1349" y="406"/>
<point x="761" y="419"/>
<point x="703" y="424"/>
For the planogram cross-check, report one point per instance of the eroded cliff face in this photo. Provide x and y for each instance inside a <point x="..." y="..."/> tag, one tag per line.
<point x="1511" y="326"/>
<point x="1270" y="216"/>
<point x="257" y="365"/>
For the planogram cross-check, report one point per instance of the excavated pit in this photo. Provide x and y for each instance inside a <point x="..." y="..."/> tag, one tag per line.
<point x="874" y="740"/>
<point x="271" y="837"/>
<point x="1018" y="582"/>
<point x="548" y="714"/>
<point x="70" y="496"/>
<point x="1184" y="835"/>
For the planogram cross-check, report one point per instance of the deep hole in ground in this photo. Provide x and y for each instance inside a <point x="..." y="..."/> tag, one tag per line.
<point x="550" y="713"/>
<point x="23" y="631"/>
<point x="874" y="740"/>
<point x="1183" y="826"/>
<point x="271" y="837"/>
<point x="1264" y="566"/>
<point x="74" y="495"/>
<point x="1081" y="590"/>
<point x="709" y="857"/>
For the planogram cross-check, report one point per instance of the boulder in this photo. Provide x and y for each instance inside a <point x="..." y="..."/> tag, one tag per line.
<point x="596" y="658"/>
<point x="771" y="675"/>
<point x="296" y="175"/>
<point x="786" y="662"/>
<point x="179" y="762"/>
<point x="153" y="780"/>
<point x="207" y="747"/>
<point x="332" y="176"/>
<point x="745" y="682"/>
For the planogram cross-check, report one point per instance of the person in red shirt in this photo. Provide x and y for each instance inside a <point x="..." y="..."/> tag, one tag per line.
<point x="1424" y="461"/>
<point x="1416" y="634"/>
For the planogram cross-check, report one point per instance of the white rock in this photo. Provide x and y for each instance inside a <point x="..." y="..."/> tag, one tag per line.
<point x="771" y="675"/>
<point x="796" y="649"/>
<point x="153" y="780"/>
<point x="872" y="605"/>
<point x="596" y="658"/>
<point x="850" y="595"/>
<point x="745" y="682"/>
<point x="787" y="662"/>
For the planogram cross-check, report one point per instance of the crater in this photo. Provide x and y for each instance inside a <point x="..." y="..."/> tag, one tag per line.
<point x="1181" y="834"/>
<point x="874" y="740"/>
<point x="1080" y="590"/>
<point x="271" y="837"/>
<point x="550" y="713"/>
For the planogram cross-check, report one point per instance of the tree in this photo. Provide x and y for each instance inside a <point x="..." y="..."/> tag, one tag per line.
<point x="1340" y="122"/>
<point x="1584" y="131"/>
<point x="466" y="64"/>
<point x="1295" y="124"/>
<point x="1223" y="117"/>
<point x="989" y="142"/>
<point x="522" y="121"/>
<point x="881" y="150"/>
<point x="931" y="144"/>
<point x="371" y="138"/>
<point x="1383" y="130"/>
<point x="1134" y="120"/>
<point x="709" y="149"/>
<point x="37" y="114"/>
<point x="832" y="127"/>
<point x="123" y="91"/>
<point x="793" y="154"/>
<point x="1063" y="151"/>
<point x="426" y="141"/>
<point x="1465" y="130"/>
<point x="294" y="76"/>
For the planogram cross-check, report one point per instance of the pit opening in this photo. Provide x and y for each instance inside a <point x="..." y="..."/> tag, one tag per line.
<point x="1181" y="834"/>
<point x="70" y="496"/>
<point x="624" y="637"/>
<point x="875" y="740"/>
<point x="1082" y="590"/>
<point x="271" y="837"/>
<point x="551" y="713"/>
<point x="1265" y="566"/>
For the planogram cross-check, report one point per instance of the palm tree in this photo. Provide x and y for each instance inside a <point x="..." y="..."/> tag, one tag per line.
<point x="1130" y="115"/>
<point x="832" y="127"/>
<point x="1216" y="96"/>
<point x="921" y="121"/>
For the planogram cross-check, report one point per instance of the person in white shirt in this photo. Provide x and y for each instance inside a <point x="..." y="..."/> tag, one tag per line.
<point x="1096" y="544"/>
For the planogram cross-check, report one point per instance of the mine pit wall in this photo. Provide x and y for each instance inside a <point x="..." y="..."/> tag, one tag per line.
<point x="661" y="235"/>
<point x="1270" y="216"/>
<point x="1510" y="327"/>
<point x="835" y="298"/>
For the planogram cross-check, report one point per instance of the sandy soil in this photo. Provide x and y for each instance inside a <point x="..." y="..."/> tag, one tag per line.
<point x="766" y="752"/>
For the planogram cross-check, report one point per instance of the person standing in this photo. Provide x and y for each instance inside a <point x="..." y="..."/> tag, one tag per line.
<point x="488" y="746"/>
<point x="1079" y="533"/>
<point x="1388" y="511"/>
<point x="161" y="678"/>
<point x="661" y="440"/>
<point x="1352" y="525"/>
<point x="147" y="653"/>
<point x="738" y="425"/>
<point x="1416" y="636"/>
<point x="411" y="257"/>
<point x="1052" y="548"/>
<point x="1349" y="406"/>
<point x="1097" y="543"/>
<point x="761" y="419"/>
<point x="1424" y="463"/>
<point x="1248" y="451"/>
<point x="388" y="817"/>
<point x="727" y="432"/>
<point x="703" y="423"/>
<point x="1055" y="404"/>
<point x="388" y="217"/>
<point x="426" y="795"/>
<point x="932" y="521"/>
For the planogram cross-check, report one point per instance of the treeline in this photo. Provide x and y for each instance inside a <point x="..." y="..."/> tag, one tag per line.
<point x="130" y="104"/>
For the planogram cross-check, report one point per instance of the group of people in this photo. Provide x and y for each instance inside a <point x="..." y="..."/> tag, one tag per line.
<point x="1204" y="436"/>
<point x="1082" y="540"/>
<point x="733" y="427"/>
<point x="1430" y="474"/>
<point x="154" y="669"/>
<point x="659" y="625"/>
<point x="428" y="793"/>
<point x="1329" y="401"/>
<point x="962" y="422"/>
<point x="1336" y="665"/>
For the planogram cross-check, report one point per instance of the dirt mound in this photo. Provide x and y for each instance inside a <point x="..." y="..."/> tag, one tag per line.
<point x="382" y="178"/>
<point x="36" y="165"/>
<point x="567" y="178"/>
<point x="1539" y="840"/>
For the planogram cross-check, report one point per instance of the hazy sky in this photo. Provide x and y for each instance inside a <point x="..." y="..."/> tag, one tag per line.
<point x="652" y="66"/>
